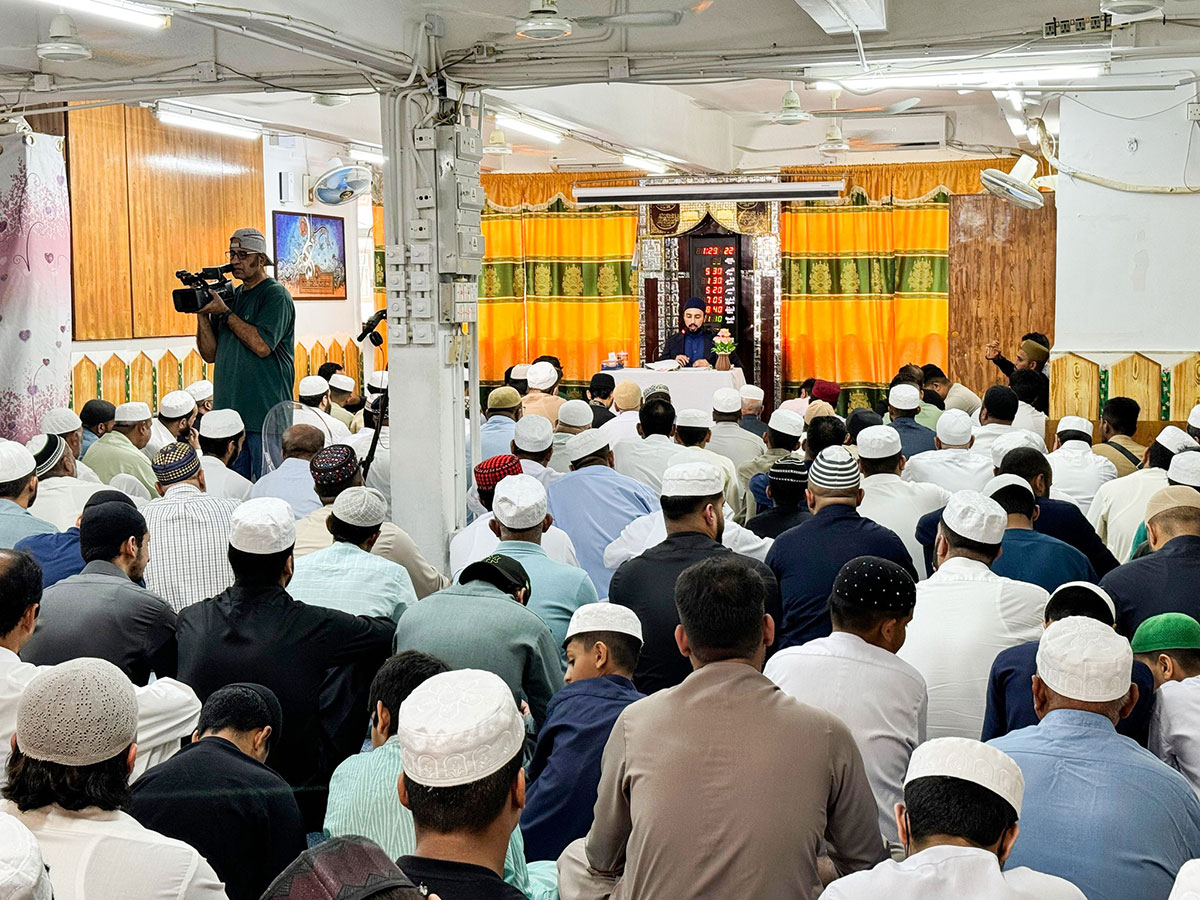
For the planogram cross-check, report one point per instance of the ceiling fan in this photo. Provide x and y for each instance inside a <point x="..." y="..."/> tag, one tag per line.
<point x="546" y="22"/>
<point x="792" y="111"/>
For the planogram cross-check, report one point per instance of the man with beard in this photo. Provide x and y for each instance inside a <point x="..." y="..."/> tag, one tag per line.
<point x="693" y="346"/>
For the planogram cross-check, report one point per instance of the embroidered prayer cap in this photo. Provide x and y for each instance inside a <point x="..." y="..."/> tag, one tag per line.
<point x="333" y="464"/>
<point x="1178" y="496"/>
<point x="604" y="617"/>
<point x="362" y="507"/>
<point x="575" y="413"/>
<point x="817" y="408"/>
<point x="1174" y="439"/>
<point x="459" y="727"/>
<point x="693" y="479"/>
<point x="586" y="443"/>
<point x="175" y="462"/>
<point x="829" y="391"/>
<point x="221" y="423"/>
<point x="128" y="413"/>
<point x="1012" y="440"/>
<point x="262" y="525"/>
<point x="1084" y="659"/>
<point x="879" y="442"/>
<point x="1167" y="631"/>
<point x="313" y="386"/>
<point x="693" y="418"/>
<point x="1093" y="588"/>
<point x="786" y="422"/>
<point x="61" y="421"/>
<point x="541" y="375"/>
<point x="789" y="470"/>
<point x="904" y="397"/>
<point x="200" y="390"/>
<point x="23" y="874"/>
<point x="47" y="450"/>
<point x="519" y="371"/>
<point x="834" y="469"/>
<point x="176" y="405"/>
<point x="1187" y="882"/>
<point x="1193" y="418"/>
<point x="533" y="434"/>
<point x="1074" y="423"/>
<point x="627" y="395"/>
<point x="15" y="461"/>
<point x="504" y="398"/>
<point x="520" y="502"/>
<point x="971" y="515"/>
<point x="341" y="868"/>
<point x="875" y="583"/>
<point x="377" y="383"/>
<point x="954" y="428"/>
<point x="492" y="470"/>
<point x="1000" y="482"/>
<point x="969" y="760"/>
<point x="77" y="713"/>
<point x="1185" y="468"/>
<point x="727" y="400"/>
<point x="656" y="390"/>
<point x="1035" y="351"/>
<point x="340" y="382"/>
<point x="693" y="303"/>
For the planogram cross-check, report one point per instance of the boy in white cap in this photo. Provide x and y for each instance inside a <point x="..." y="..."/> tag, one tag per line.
<point x="176" y="415"/>
<point x="341" y="389"/>
<point x="602" y="645"/>
<point x="751" y="420"/>
<point x="958" y="822"/>
<point x="202" y="393"/>
<point x="1077" y="470"/>
<point x="68" y="426"/>
<point x="904" y="402"/>
<point x="541" y="400"/>
<point x="953" y="465"/>
<point x="462" y="738"/>
<point x="890" y="500"/>
<point x="738" y="444"/>
<point x="1111" y="818"/>
<point x="18" y="492"/>
<point x="314" y="394"/>
<point x="781" y="438"/>
<point x="250" y="342"/>
<point x="574" y="416"/>
<point x="222" y="435"/>
<point x="533" y="445"/>
<point x="120" y="450"/>
<point x="966" y="614"/>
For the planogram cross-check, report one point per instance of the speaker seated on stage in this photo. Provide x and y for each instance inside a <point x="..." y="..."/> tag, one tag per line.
<point x="693" y="346"/>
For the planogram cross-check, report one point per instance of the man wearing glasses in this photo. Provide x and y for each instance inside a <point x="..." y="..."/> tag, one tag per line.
<point x="251" y="342"/>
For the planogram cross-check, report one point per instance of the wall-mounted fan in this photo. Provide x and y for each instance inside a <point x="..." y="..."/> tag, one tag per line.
<point x="1016" y="186"/>
<point x="341" y="184"/>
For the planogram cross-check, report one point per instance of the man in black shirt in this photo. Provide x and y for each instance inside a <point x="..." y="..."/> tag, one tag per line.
<point x="692" y="501"/>
<point x="600" y="398"/>
<point x="786" y="483"/>
<point x="218" y="795"/>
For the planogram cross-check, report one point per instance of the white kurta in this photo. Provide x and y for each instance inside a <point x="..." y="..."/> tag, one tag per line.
<point x="84" y="473"/>
<point x="60" y="500"/>
<point x="1175" y="728"/>
<point x="953" y="470"/>
<point x="477" y="540"/>
<point x="899" y="505"/>
<point x="621" y="426"/>
<point x="544" y="474"/>
<point x="645" y="458"/>
<point x="159" y="438"/>
<point x="222" y="481"/>
<point x="1119" y="507"/>
<point x="965" y="615"/>
<point x="335" y="432"/>
<point x="739" y="445"/>
<point x="1030" y="419"/>
<point x="985" y="436"/>
<point x="650" y="530"/>
<point x="1079" y="473"/>
<point x="881" y="698"/>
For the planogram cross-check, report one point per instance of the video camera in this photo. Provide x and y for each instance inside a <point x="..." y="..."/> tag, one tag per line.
<point x="194" y="296"/>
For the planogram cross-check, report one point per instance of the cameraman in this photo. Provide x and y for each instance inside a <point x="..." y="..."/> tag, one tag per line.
<point x="251" y="341"/>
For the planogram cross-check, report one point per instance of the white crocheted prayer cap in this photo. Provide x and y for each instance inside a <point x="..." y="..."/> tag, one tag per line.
<point x="15" y="461"/>
<point x="1084" y="659"/>
<point x="751" y="392"/>
<point x="693" y="418"/>
<point x="954" y="428"/>
<point x="972" y="761"/>
<point x="1011" y="440"/>
<point x="77" y="713"/>
<point x="533" y="434"/>
<point x="576" y="413"/>
<point x="200" y="390"/>
<point x="1074" y="423"/>
<point x="1175" y="439"/>
<point x="1185" y="468"/>
<point x="341" y="382"/>
<point x="727" y="400"/>
<point x="1095" y="589"/>
<point x="878" y="442"/>
<point x="519" y="502"/>
<point x="313" y="386"/>
<point x="604" y="617"/>
<point x="905" y="397"/>
<point x="786" y="422"/>
<point x="362" y="507"/>
<point x="128" y="413"/>
<point x="60" y="421"/>
<point x="459" y="727"/>
<point x="263" y="525"/>
<point x="1187" y="882"/>
<point x="971" y="515"/>
<point x="221" y="423"/>
<point x="1000" y="482"/>
<point x="23" y="874"/>
<point x="176" y="405"/>
<point x="692" y="479"/>
<point x="541" y="375"/>
<point x="586" y="443"/>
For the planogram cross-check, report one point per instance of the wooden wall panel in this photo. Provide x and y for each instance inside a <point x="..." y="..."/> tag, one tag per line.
<point x="188" y="191"/>
<point x="141" y="382"/>
<point x="99" y="223"/>
<point x="1074" y="387"/>
<point x="168" y="374"/>
<point x="301" y="369"/>
<point x="1138" y="377"/>
<point x="1002" y="271"/>
<point x="1185" y="387"/>
<point x="194" y="368"/>
<point x="353" y="362"/>
<point x="84" y="380"/>
<point x="114" y="383"/>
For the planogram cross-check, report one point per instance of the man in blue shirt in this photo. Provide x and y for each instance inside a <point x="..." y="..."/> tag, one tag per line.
<point x="496" y="433"/>
<point x="602" y="645"/>
<point x="1110" y="817"/>
<point x="58" y="554"/>
<point x="18" y="490"/>
<point x="98" y="417"/>
<point x="806" y="559"/>
<point x="1028" y="555"/>
<point x="904" y="402"/>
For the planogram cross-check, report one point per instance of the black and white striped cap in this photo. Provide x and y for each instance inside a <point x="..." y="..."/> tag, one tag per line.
<point x="835" y="469"/>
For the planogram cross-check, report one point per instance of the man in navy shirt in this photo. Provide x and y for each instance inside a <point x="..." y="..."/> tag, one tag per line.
<point x="806" y="559"/>
<point x="59" y="554"/>
<point x="904" y="402"/>
<point x="1028" y="555"/>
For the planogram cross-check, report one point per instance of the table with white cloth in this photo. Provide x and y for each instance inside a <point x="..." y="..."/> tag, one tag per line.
<point x="690" y="388"/>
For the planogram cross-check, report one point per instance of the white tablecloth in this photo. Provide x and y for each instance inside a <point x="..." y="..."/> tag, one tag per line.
<point x="690" y="388"/>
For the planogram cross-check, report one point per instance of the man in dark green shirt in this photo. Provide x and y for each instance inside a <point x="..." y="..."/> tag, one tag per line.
<point x="250" y="341"/>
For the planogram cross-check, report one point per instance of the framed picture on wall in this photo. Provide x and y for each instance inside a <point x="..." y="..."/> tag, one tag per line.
<point x="310" y="255"/>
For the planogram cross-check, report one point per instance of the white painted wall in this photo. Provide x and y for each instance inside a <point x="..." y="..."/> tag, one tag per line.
<point x="1127" y="262"/>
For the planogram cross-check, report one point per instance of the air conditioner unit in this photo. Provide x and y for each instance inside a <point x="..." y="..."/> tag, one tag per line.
<point x="912" y="132"/>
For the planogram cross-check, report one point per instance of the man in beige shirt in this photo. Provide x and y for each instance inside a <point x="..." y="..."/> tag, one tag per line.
<point x="334" y="469"/>
<point x="723" y="785"/>
<point x="1118" y="422"/>
<point x="540" y="399"/>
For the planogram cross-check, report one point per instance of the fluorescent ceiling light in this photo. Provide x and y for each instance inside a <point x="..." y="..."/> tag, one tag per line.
<point x="985" y="78"/>
<point x="367" y="156"/>
<point x="649" y="165"/>
<point x="130" y="13"/>
<point x="825" y="86"/>
<point x="507" y="123"/>
<point x="204" y="123"/>
<point x="883" y="60"/>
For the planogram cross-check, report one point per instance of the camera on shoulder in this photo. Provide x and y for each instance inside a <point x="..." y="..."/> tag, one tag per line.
<point x="194" y="296"/>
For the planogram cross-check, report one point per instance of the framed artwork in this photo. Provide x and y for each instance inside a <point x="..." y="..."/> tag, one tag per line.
<point x="310" y="255"/>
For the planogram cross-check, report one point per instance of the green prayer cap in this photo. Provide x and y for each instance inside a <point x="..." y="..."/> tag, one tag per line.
<point x="1168" y="631"/>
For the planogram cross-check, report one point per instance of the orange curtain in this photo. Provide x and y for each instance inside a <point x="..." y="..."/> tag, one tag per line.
<point x="537" y="190"/>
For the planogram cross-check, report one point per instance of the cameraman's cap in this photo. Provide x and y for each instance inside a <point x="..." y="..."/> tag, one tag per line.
<point x="263" y="525"/>
<point x="47" y="450"/>
<point x="313" y="386"/>
<point x="200" y="390"/>
<point x="501" y="572"/>
<point x="251" y="239"/>
<point x="340" y="382"/>
<point x="60" y="421"/>
<point x="129" y="413"/>
<point x="176" y="405"/>
<point x="221" y="423"/>
<point x="175" y="462"/>
<point x="604" y="617"/>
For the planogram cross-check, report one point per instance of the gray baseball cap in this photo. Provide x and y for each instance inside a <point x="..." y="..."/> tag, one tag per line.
<point x="250" y="239"/>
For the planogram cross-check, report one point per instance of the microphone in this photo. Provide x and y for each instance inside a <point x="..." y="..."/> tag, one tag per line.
<point x="371" y="324"/>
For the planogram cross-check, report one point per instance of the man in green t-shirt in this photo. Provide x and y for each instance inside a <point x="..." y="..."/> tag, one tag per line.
<point x="251" y="343"/>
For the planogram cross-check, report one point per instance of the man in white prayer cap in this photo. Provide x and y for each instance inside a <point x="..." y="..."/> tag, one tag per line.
<point x="377" y="384"/>
<point x="954" y="465"/>
<point x="76" y="742"/>
<point x="738" y="444"/>
<point x="120" y="450"/>
<point x="904" y="403"/>
<point x="18" y="492"/>
<point x="60" y="493"/>
<point x="541" y="398"/>
<point x="1110" y="818"/>
<point x="23" y="874"/>
<point x="958" y="823"/>
<point x="341" y="389"/>
<point x="692" y="505"/>
<point x="68" y="426"/>
<point x="222" y="435"/>
<point x="574" y="416"/>
<point x="176" y="416"/>
<point x="781" y="439"/>
<point x="752" y="397"/>
<point x="1078" y="471"/>
<point x="314" y="396"/>
<point x="533" y="445"/>
<point x="462" y="738"/>
<point x="1187" y="882"/>
<point x="890" y="500"/>
<point x="966" y="614"/>
<point x="693" y="431"/>
<point x="202" y="393"/>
